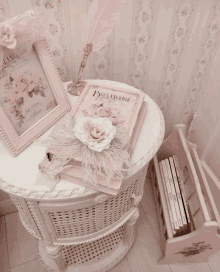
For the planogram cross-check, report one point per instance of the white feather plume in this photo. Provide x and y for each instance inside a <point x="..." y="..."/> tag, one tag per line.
<point x="100" y="21"/>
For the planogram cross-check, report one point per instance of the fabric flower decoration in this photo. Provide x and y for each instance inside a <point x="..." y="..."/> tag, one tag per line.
<point x="7" y="36"/>
<point x="96" y="133"/>
<point x="113" y="114"/>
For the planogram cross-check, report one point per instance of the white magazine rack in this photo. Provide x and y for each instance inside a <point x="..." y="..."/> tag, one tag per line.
<point x="204" y="239"/>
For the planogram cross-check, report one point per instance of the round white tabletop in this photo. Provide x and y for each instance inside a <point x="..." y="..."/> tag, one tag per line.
<point x="18" y="175"/>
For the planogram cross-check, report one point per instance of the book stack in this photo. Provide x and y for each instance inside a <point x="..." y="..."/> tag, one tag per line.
<point x="178" y="207"/>
<point x="123" y="107"/>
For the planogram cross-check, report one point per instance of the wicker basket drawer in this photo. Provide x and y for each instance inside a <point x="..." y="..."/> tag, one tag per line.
<point x="69" y="223"/>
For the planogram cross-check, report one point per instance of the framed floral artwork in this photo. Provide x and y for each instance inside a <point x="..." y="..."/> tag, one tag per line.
<point x="32" y="96"/>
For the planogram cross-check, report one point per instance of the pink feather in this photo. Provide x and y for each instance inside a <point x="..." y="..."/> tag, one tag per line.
<point x="100" y="21"/>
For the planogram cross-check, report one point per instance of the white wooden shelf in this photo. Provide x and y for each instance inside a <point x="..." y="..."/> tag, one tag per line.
<point x="203" y="240"/>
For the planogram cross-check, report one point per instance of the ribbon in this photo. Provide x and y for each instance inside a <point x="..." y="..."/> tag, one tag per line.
<point x="24" y="29"/>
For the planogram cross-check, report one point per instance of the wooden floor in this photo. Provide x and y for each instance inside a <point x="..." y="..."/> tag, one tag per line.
<point x="146" y="250"/>
<point x="18" y="249"/>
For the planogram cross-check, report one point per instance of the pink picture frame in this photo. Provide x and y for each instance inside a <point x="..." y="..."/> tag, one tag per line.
<point x="32" y="96"/>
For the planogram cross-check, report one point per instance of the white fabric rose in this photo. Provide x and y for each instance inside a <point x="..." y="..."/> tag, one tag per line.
<point x="96" y="133"/>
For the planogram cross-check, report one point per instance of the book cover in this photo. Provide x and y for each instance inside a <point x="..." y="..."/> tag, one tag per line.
<point x="70" y="174"/>
<point x="174" y="196"/>
<point x="182" y="191"/>
<point x="179" y="198"/>
<point x="167" y="199"/>
<point x="138" y="125"/>
<point x="171" y="199"/>
<point x="123" y="107"/>
<point x="163" y="224"/>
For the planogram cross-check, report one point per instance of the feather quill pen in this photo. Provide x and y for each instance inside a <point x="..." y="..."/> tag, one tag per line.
<point x="100" y="21"/>
<point x="98" y="25"/>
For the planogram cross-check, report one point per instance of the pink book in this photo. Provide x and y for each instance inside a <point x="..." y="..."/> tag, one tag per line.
<point x="122" y="107"/>
<point x="167" y="195"/>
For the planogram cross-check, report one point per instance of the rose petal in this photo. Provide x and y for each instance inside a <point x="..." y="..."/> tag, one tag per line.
<point x="96" y="133"/>
<point x="12" y="45"/>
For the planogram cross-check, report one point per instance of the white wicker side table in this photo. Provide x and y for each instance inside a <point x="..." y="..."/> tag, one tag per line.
<point x="80" y="229"/>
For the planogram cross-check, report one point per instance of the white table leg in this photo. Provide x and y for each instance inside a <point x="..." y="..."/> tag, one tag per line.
<point x="129" y="227"/>
<point x="51" y="257"/>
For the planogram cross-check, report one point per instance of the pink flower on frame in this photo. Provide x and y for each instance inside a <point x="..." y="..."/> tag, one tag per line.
<point x="7" y="36"/>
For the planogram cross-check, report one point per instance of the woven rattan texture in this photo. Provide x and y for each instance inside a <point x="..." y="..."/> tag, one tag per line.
<point x="94" y="251"/>
<point x="81" y="222"/>
<point x="22" y="213"/>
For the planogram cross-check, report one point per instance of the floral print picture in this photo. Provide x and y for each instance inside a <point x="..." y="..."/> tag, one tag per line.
<point x="102" y="101"/>
<point x="26" y="96"/>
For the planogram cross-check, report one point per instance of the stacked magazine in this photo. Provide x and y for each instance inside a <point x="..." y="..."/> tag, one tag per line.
<point x="124" y="107"/>
<point x="177" y="204"/>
